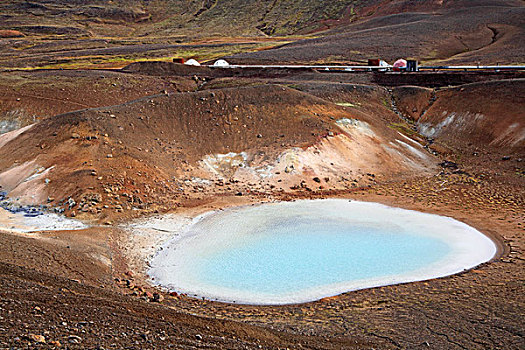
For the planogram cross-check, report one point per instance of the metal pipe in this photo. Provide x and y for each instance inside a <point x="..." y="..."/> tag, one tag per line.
<point x="298" y="67"/>
<point x="472" y="67"/>
<point x="389" y="67"/>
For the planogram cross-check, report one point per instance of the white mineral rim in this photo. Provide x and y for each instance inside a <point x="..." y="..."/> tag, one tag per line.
<point x="171" y="266"/>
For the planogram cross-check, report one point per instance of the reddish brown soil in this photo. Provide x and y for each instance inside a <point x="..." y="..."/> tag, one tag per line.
<point x="61" y="308"/>
<point x="479" y="121"/>
<point x="93" y="150"/>
<point x="31" y="96"/>
<point x="492" y="113"/>
<point x="476" y="309"/>
<point x="370" y="99"/>
<point x="175" y="131"/>
<point x="58" y="285"/>
<point x="413" y="101"/>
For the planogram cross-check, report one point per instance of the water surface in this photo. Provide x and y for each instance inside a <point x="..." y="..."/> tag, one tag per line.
<point x="300" y="251"/>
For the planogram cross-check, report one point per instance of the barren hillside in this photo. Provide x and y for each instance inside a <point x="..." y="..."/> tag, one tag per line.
<point x="166" y="148"/>
<point x="62" y="34"/>
<point x="489" y="32"/>
<point x="482" y="115"/>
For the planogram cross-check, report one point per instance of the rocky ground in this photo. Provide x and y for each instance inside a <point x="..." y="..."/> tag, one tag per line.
<point x="59" y="293"/>
<point x="152" y="139"/>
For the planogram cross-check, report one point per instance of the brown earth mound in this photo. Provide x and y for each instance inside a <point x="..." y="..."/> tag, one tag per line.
<point x="26" y="97"/>
<point x="158" y="150"/>
<point x="371" y="99"/>
<point x="488" y="115"/>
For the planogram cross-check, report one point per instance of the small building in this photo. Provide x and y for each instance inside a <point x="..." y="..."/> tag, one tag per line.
<point x="221" y="63"/>
<point x="192" y="62"/>
<point x="376" y="62"/>
<point x="412" y="66"/>
<point x="383" y="64"/>
<point x="399" y="65"/>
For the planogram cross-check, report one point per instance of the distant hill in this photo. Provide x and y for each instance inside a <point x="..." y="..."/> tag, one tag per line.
<point x="73" y="34"/>
<point x="163" y="17"/>
<point x="489" y="32"/>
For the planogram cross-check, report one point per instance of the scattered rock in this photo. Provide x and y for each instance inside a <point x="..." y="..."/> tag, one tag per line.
<point x="157" y="297"/>
<point x="448" y="164"/>
<point x="36" y="338"/>
<point x="55" y="343"/>
<point x="75" y="135"/>
<point x="71" y="202"/>
<point x="74" y="339"/>
<point x="505" y="158"/>
<point x="316" y="179"/>
<point x="198" y="337"/>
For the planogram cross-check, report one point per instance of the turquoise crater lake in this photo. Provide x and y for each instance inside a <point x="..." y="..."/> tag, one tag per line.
<point x="291" y="252"/>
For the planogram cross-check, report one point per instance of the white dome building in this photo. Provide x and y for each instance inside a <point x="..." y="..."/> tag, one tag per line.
<point x="192" y="62"/>
<point x="221" y="63"/>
